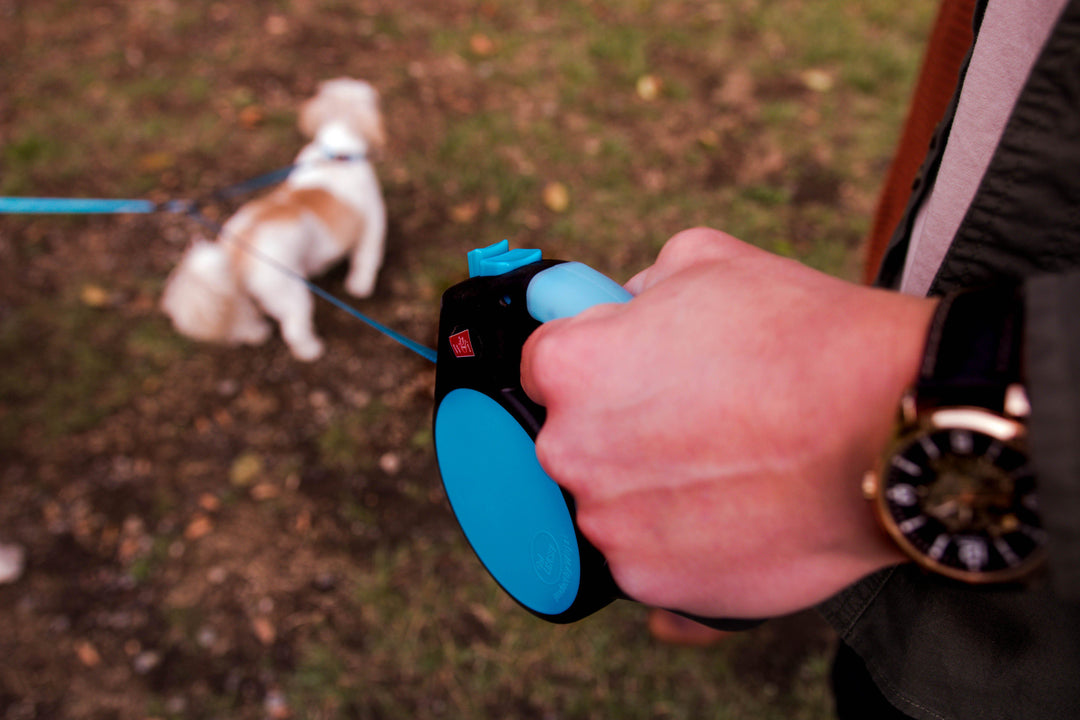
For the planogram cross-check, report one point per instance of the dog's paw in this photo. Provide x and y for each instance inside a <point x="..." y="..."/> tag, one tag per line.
<point x="255" y="333"/>
<point x="361" y="288"/>
<point x="308" y="350"/>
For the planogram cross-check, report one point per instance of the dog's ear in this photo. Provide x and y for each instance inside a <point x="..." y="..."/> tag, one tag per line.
<point x="311" y="117"/>
<point x="369" y="124"/>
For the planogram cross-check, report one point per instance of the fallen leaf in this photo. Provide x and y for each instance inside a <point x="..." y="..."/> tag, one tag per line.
<point x="465" y="212"/>
<point x="87" y="654"/>
<point x="128" y="550"/>
<point x="264" y="630"/>
<point x="481" y="44"/>
<point x="483" y="615"/>
<point x="209" y="502"/>
<point x="245" y="469"/>
<point x="648" y="87"/>
<point x="556" y="197"/>
<point x="709" y="138"/>
<point x="156" y="161"/>
<point x="303" y="522"/>
<point x="94" y="296"/>
<point x="251" y="116"/>
<point x="265" y="491"/>
<point x="276" y="25"/>
<point x="200" y="526"/>
<point x="817" y="80"/>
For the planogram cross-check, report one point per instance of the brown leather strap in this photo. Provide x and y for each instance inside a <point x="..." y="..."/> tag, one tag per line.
<point x="950" y="39"/>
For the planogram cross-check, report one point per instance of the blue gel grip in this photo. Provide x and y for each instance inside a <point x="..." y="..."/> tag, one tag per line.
<point x="566" y="289"/>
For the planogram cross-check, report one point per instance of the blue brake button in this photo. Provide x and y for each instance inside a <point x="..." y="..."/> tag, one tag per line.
<point x="499" y="259"/>
<point x="565" y="290"/>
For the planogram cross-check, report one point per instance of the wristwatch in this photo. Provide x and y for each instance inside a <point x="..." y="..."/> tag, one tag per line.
<point x="956" y="490"/>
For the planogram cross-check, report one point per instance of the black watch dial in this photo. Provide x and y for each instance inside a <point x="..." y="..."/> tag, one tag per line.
<point x="964" y="501"/>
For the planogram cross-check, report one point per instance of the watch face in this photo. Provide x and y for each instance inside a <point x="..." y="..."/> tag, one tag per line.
<point x="964" y="503"/>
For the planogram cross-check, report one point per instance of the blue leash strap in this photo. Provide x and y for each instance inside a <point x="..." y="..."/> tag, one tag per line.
<point x="99" y="206"/>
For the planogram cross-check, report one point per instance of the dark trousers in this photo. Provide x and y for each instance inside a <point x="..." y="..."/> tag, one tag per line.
<point x="857" y="697"/>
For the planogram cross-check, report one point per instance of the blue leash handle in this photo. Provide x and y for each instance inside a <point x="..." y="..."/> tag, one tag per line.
<point x="99" y="206"/>
<point x="82" y="206"/>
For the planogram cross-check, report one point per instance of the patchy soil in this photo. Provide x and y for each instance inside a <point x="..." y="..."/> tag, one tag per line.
<point x="194" y="517"/>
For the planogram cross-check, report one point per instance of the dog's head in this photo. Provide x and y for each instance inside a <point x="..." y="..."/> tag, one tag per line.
<point x="205" y="302"/>
<point x="354" y="103"/>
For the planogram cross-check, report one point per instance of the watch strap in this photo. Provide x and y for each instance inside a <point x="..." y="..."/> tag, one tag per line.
<point x="973" y="349"/>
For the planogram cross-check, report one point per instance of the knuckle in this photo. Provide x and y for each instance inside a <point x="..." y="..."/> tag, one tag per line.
<point x="557" y="459"/>
<point x="691" y="242"/>
<point x="593" y="527"/>
<point x="638" y="583"/>
<point x="543" y="356"/>
<point x="547" y="453"/>
<point x="698" y="244"/>
<point x="545" y="349"/>
<point x="634" y="584"/>
<point x="540" y="372"/>
<point x="633" y="567"/>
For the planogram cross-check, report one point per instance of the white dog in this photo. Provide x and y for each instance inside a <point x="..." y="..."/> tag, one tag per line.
<point x="329" y="207"/>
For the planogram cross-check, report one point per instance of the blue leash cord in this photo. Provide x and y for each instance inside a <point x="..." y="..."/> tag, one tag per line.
<point x="422" y="350"/>
<point x="96" y="206"/>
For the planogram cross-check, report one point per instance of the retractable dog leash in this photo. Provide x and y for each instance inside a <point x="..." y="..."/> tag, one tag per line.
<point x="517" y="520"/>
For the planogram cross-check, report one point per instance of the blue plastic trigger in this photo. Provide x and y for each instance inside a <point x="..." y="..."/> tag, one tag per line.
<point x="499" y="259"/>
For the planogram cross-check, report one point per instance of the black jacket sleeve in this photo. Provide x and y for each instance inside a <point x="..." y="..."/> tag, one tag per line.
<point x="1052" y="369"/>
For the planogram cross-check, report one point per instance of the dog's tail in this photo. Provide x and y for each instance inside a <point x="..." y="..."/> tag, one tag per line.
<point x="204" y="299"/>
<point x="210" y="261"/>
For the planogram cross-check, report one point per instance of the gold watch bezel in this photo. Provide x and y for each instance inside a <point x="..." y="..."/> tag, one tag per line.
<point x="1011" y="431"/>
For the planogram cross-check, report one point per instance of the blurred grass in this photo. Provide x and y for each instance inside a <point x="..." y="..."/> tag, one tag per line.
<point x="771" y="119"/>
<point x="467" y="651"/>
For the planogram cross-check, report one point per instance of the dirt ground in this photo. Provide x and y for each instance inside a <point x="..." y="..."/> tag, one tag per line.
<point x="192" y="517"/>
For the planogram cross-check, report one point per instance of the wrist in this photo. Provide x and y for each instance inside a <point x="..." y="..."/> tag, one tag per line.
<point x="893" y="356"/>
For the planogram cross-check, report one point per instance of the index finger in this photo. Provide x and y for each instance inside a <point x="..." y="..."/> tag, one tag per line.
<point x="561" y="356"/>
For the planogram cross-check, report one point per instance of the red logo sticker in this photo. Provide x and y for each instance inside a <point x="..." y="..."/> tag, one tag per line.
<point x="461" y="344"/>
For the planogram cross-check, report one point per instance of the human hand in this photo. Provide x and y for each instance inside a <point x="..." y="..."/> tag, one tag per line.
<point x="714" y="430"/>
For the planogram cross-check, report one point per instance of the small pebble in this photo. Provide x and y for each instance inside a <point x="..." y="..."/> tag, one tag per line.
<point x="12" y="563"/>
